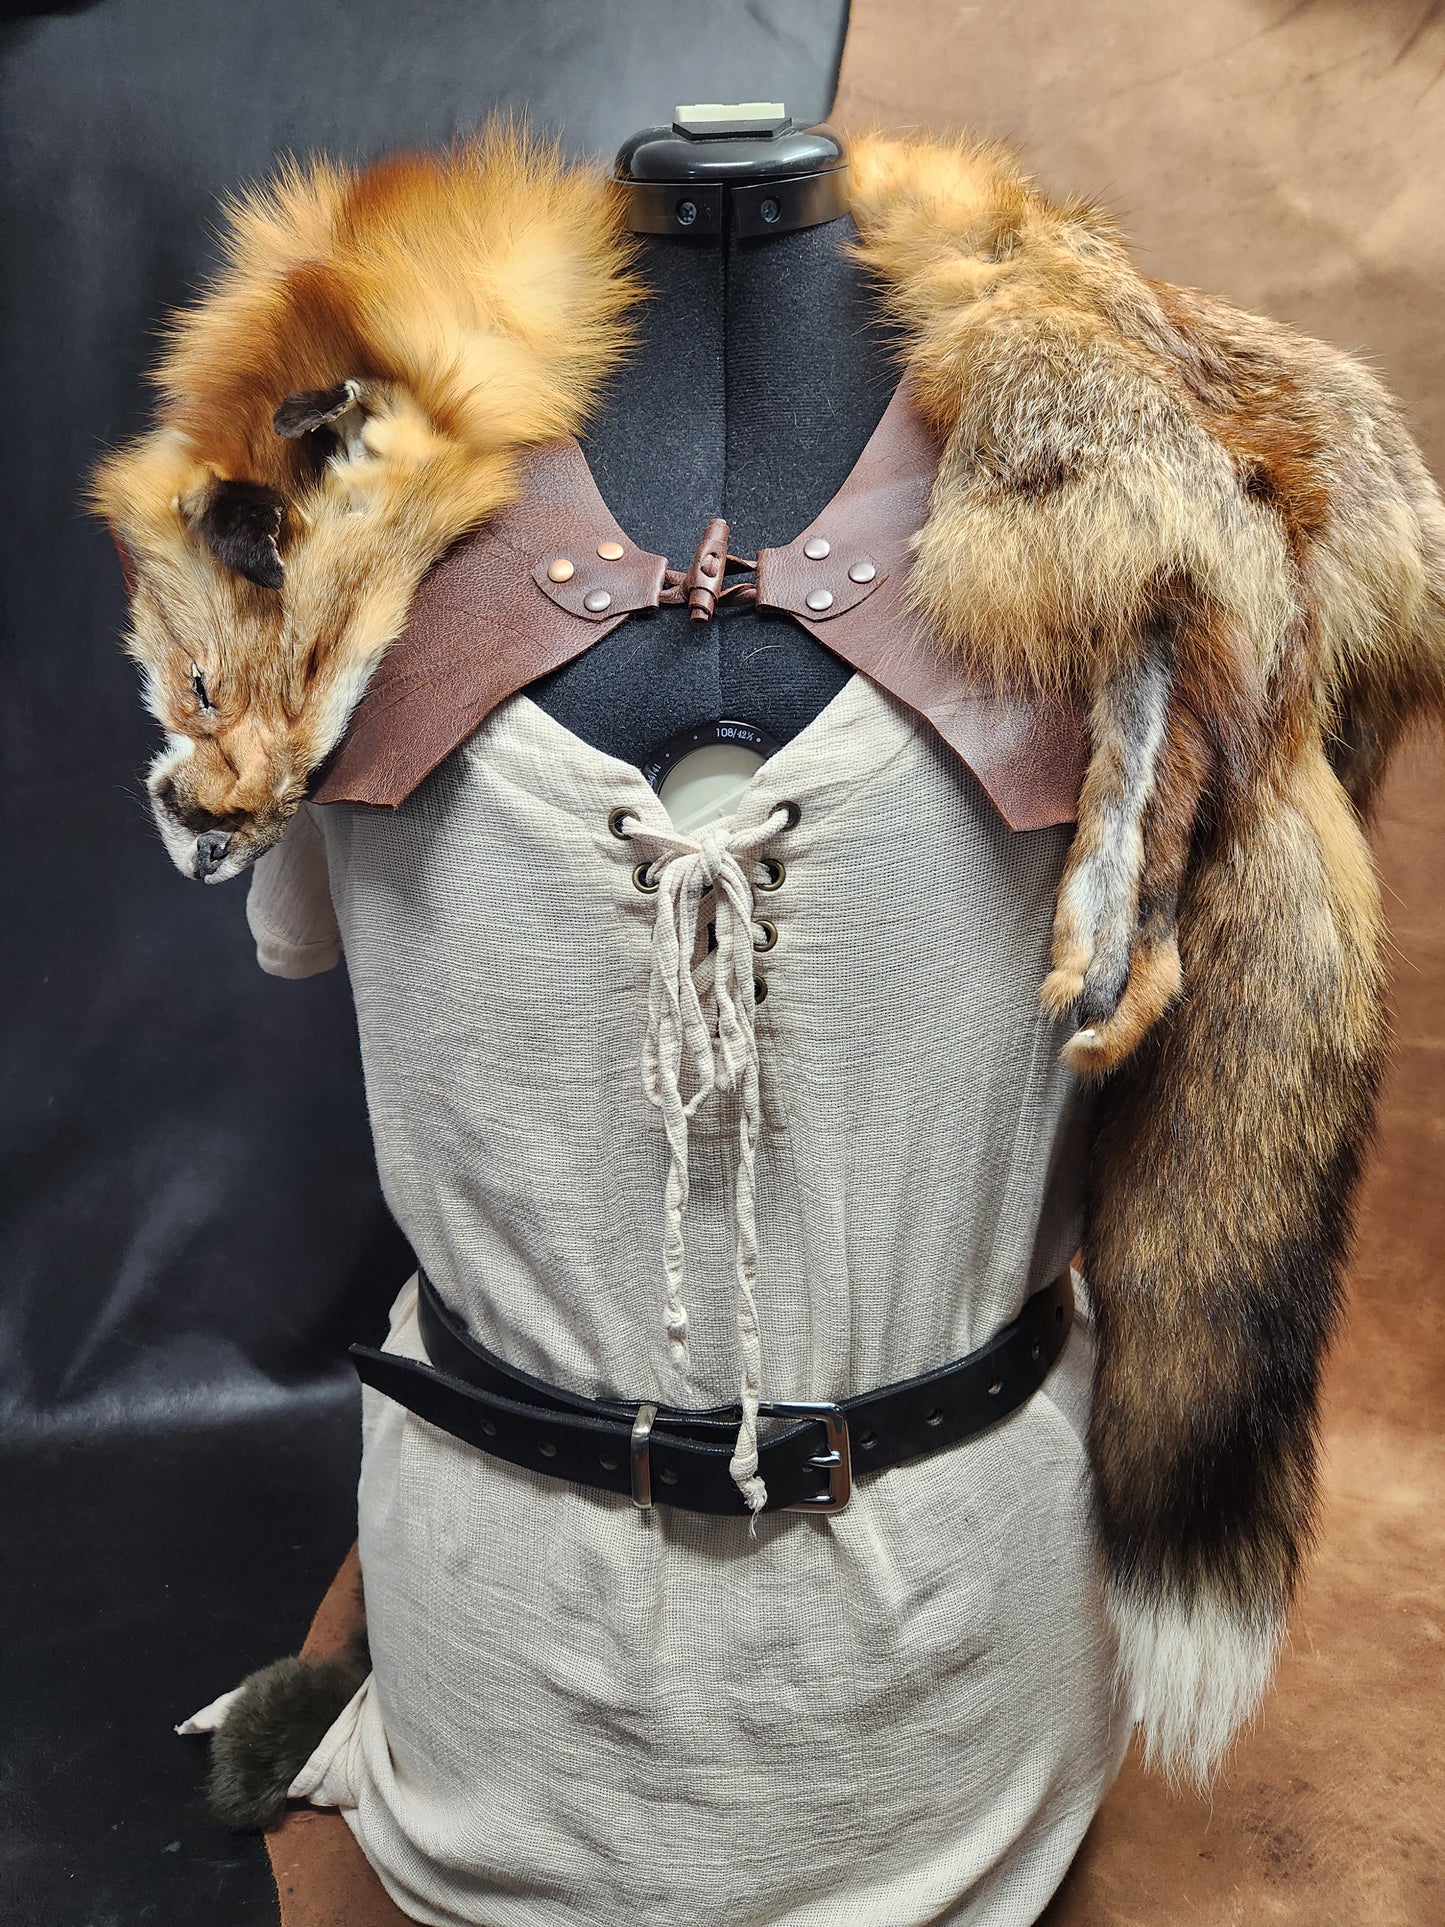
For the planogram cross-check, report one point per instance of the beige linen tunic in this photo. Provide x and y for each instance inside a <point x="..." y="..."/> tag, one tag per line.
<point x="583" y="1715"/>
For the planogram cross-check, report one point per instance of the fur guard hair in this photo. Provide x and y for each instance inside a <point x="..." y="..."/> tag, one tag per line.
<point x="1213" y="530"/>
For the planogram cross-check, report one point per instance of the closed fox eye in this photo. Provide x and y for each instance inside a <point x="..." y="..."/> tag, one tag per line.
<point x="198" y="689"/>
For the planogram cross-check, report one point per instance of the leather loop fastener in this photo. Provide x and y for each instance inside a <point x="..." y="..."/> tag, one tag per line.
<point x="471" y="1393"/>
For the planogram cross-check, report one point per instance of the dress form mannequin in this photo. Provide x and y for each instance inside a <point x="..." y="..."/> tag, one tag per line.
<point x="762" y="367"/>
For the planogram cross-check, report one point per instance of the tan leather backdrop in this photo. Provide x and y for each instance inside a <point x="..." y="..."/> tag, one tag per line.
<point x="1288" y="155"/>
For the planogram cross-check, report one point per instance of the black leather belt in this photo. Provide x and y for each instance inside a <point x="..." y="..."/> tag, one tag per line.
<point x="668" y="1455"/>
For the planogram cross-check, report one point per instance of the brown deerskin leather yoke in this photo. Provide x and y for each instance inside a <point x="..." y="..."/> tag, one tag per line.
<point x="554" y="573"/>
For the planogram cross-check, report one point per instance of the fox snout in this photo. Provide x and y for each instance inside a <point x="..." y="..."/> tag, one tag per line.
<point x="207" y="844"/>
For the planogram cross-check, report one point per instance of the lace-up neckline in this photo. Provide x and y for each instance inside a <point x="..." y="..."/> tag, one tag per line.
<point x="701" y="1040"/>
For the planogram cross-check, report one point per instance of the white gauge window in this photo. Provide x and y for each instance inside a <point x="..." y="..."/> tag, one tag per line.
<point x="701" y="775"/>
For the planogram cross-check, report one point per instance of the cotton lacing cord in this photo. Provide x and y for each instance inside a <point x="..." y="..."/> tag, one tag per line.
<point x="701" y="1031"/>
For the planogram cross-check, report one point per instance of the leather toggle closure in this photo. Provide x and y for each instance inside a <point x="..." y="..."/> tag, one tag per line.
<point x="553" y="573"/>
<point x="703" y="584"/>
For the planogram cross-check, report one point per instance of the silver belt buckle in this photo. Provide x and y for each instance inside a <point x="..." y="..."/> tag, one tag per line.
<point x="836" y="1459"/>
<point x="642" y="1456"/>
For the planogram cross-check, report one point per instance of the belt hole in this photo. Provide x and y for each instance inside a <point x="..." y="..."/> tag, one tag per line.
<point x="547" y="1449"/>
<point x="1058" y="1314"/>
<point x="617" y="821"/>
<point x="867" y="1440"/>
<point x="995" y="1388"/>
<point x="668" y="1476"/>
<point x="1037" y="1353"/>
<point x="773" y="873"/>
<point x="489" y="1428"/>
<point x="642" y="879"/>
<point x="934" y="1418"/>
<point x="609" y="1465"/>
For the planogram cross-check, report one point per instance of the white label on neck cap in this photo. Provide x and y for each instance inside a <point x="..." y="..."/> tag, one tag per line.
<point x="732" y="110"/>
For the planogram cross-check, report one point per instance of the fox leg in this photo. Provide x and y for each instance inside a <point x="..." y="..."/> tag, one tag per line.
<point x="1115" y="957"/>
<point x="1185" y="767"/>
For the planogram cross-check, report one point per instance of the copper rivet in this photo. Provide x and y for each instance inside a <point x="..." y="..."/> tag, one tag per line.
<point x="862" y="572"/>
<point x="561" y="570"/>
<point x="610" y="551"/>
<point x="597" y="600"/>
<point x="820" y="599"/>
<point x="817" y="547"/>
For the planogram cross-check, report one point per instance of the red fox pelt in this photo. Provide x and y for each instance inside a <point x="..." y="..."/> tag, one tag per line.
<point x="1212" y="530"/>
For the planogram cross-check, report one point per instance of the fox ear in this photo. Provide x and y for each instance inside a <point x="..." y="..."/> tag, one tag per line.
<point x="239" y="525"/>
<point x="312" y="408"/>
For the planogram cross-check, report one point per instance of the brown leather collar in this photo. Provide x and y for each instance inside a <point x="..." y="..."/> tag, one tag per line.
<point x="552" y="574"/>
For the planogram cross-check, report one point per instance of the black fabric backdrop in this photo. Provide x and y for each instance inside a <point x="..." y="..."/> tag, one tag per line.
<point x="192" y="1226"/>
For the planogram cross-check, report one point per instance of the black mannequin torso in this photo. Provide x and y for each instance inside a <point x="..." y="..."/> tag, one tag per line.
<point x="761" y="369"/>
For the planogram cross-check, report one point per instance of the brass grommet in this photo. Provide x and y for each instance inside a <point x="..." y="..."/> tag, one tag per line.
<point x="610" y="551"/>
<point x="561" y="570"/>
<point x="794" y="813"/>
<point x="617" y="819"/>
<point x="769" y="936"/>
<point x="643" y="879"/>
<point x="776" y="871"/>
<point x="760" y="990"/>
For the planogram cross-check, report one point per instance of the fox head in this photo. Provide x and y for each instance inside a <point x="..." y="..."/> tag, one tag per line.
<point x="259" y="607"/>
<point x="348" y="397"/>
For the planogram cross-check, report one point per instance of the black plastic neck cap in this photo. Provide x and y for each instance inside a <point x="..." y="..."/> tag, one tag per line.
<point x="752" y="176"/>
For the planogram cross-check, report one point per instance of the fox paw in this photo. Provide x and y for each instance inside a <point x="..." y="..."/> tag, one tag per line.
<point x="270" y="1727"/>
<point x="1112" y="1010"/>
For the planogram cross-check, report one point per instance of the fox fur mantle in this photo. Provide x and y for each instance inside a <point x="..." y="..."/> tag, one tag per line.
<point x="1210" y="530"/>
